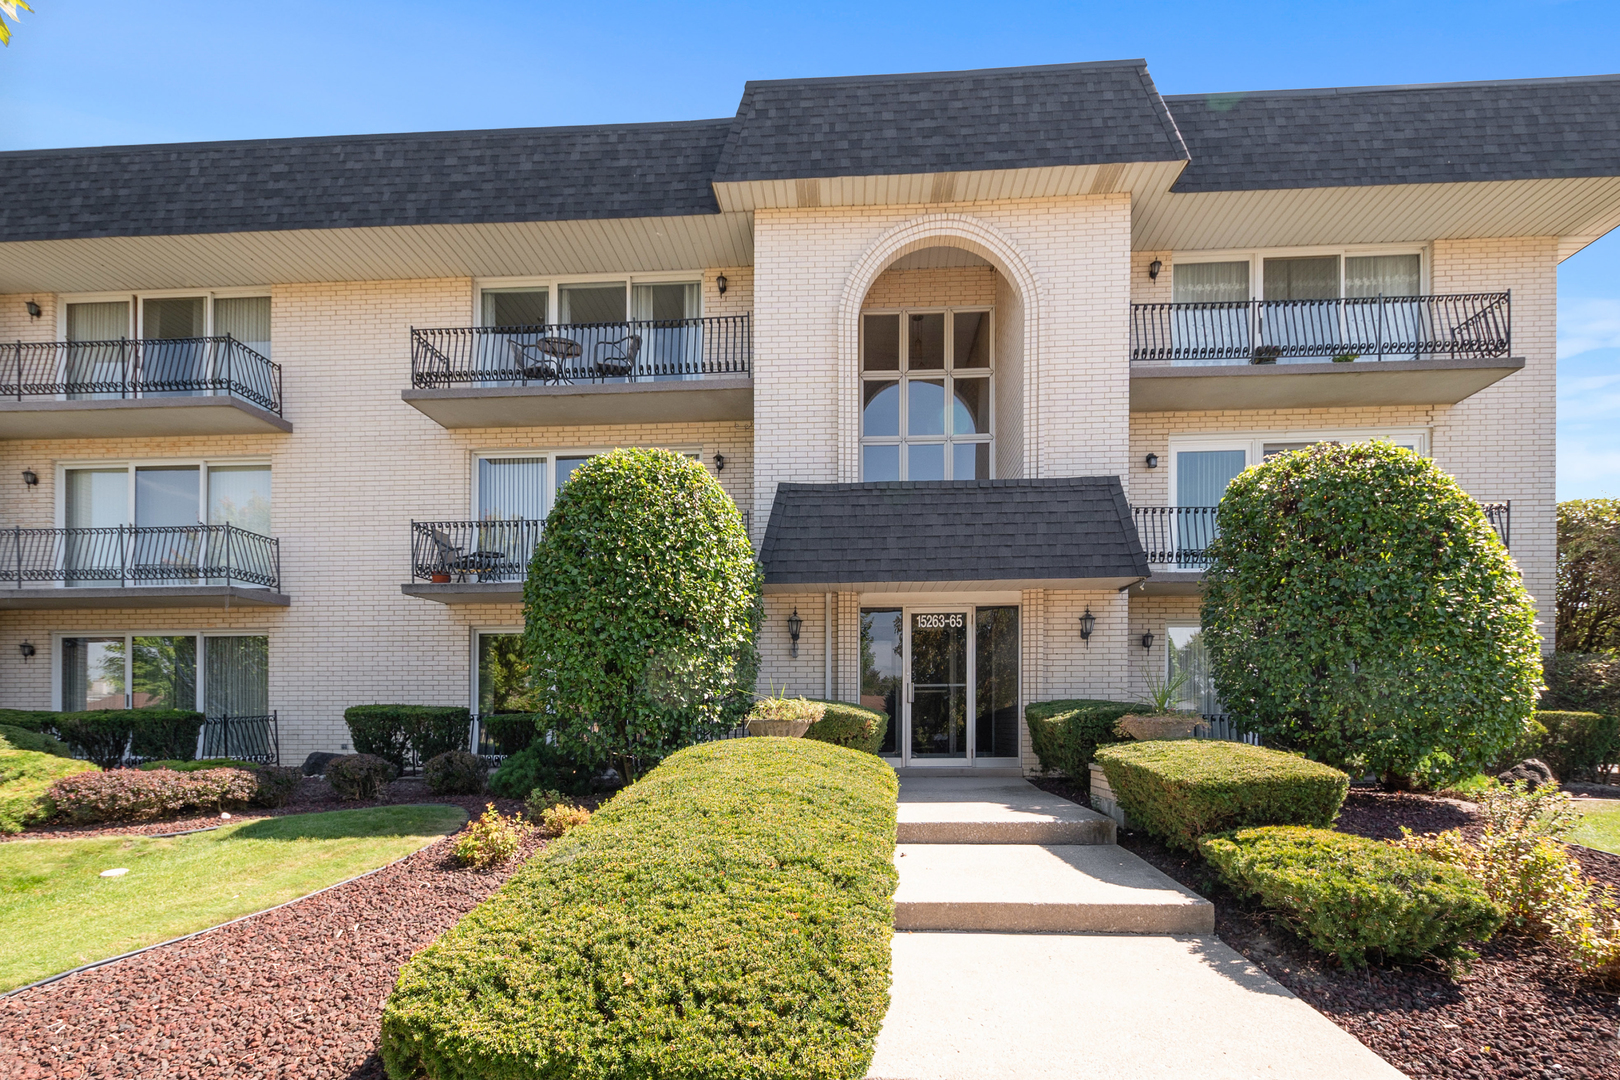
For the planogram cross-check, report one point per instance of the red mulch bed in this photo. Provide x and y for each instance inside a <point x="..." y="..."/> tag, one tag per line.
<point x="294" y="992"/>
<point x="1521" y="1011"/>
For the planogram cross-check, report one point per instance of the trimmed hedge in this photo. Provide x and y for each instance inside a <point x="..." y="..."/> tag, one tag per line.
<point x="1576" y="742"/>
<point x="135" y="795"/>
<point x="101" y="735"/>
<point x="38" y="741"/>
<point x="391" y="732"/>
<point x="854" y="726"/>
<point x="359" y="776"/>
<point x="25" y="780"/>
<point x="1180" y="790"/>
<point x="275" y="784"/>
<point x="1352" y="897"/>
<point x="1066" y="734"/>
<point x="727" y="916"/>
<point x="200" y="766"/>
<point x="29" y="719"/>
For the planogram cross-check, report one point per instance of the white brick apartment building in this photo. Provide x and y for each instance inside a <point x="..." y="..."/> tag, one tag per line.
<point x="977" y="353"/>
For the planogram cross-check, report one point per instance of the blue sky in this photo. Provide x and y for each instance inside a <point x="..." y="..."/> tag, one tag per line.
<point x="95" y="72"/>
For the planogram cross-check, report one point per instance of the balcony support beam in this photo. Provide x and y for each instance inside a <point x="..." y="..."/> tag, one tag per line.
<point x="694" y="401"/>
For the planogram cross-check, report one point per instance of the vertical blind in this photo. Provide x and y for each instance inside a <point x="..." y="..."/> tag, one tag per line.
<point x="236" y="676"/>
<point x="1209" y="283"/>
<point x="512" y="488"/>
<point x="245" y="318"/>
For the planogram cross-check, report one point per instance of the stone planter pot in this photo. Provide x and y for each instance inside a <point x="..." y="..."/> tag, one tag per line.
<point x="1167" y="726"/>
<point x="786" y="729"/>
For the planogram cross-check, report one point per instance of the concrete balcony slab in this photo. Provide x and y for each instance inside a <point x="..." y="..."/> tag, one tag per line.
<point x="141" y="596"/>
<point x="675" y="401"/>
<point x="467" y="592"/>
<point x="216" y="414"/>
<point x="1212" y="387"/>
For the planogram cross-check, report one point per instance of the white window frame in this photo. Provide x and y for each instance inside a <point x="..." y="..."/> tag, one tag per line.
<point x="129" y="465"/>
<point x="1256" y="258"/>
<point x="551" y="454"/>
<point x="134" y="300"/>
<point x="129" y="637"/>
<point x="1254" y="443"/>
<point x="903" y="377"/>
<point x="552" y="283"/>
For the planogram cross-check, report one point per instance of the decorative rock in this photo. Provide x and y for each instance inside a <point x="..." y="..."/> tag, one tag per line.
<point x="607" y="780"/>
<point x="1167" y="726"/>
<point x="119" y="872"/>
<point x="315" y="764"/>
<point x="1533" y="771"/>
<point x="224" y="816"/>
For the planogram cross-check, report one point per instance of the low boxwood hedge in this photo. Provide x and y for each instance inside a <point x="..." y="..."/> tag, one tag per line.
<point x="1355" y="898"/>
<point x="727" y="916"/>
<point x="392" y="732"/>
<point x="1065" y="734"/>
<point x="25" y="780"/>
<point x="1180" y="790"/>
<point x="854" y="726"/>
<point x="103" y="735"/>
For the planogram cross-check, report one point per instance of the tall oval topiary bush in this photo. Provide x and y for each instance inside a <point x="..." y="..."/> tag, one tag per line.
<point x="1359" y="607"/>
<point x="640" y="609"/>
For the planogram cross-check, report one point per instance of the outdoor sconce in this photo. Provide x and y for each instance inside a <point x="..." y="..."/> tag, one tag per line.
<point x="1153" y="461"/>
<point x="1153" y="269"/>
<point x="720" y="283"/>
<point x="719" y="463"/>
<point x="1147" y="640"/>
<point x="30" y="478"/>
<point x="1088" y="622"/>
<point x="33" y="310"/>
<point x="794" y="625"/>
<point x="27" y="650"/>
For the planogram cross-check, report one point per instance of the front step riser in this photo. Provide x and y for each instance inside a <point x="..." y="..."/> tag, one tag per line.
<point x="1014" y="918"/>
<point x="1005" y="832"/>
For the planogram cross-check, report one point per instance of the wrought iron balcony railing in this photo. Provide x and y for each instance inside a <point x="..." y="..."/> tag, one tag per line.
<point x="128" y="555"/>
<point x="1472" y="325"/>
<point x="1177" y="537"/>
<point x="136" y="368"/>
<point x="644" y="350"/>
<point x="242" y="738"/>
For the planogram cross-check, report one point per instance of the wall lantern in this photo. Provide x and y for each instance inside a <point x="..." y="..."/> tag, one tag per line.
<point x="1153" y="461"/>
<point x="794" y="625"/>
<point x="719" y="463"/>
<point x="33" y="310"/>
<point x="27" y="650"/>
<point x="1153" y="269"/>
<point x="30" y="478"/>
<point x="720" y="283"/>
<point x="1088" y="622"/>
<point x="1147" y="640"/>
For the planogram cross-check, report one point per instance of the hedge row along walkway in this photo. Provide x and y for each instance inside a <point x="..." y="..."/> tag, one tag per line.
<point x="1148" y="991"/>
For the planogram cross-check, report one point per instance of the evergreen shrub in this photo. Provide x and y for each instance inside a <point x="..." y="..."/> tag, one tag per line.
<point x="25" y="780"/>
<point x="1356" y="899"/>
<point x="1359" y="607"/>
<point x="360" y="776"/>
<point x="454" y="772"/>
<point x="39" y="742"/>
<point x="727" y="916"/>
<point x="854" y="726"/>
<point x="1066" y="734"/>
<point x="1179" y="790"/>
<point x="540" y="765"/>
<point x="394" y="732"/>
<point x="1576" y="742"/>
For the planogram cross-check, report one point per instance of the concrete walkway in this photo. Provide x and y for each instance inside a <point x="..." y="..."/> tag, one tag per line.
<point x="1111" y="969"/>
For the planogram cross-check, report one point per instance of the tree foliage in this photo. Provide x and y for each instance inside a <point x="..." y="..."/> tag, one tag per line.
<point x="640" y="609"/>
<point x="1588" y="575"/>
<point x="1360" y="608"/>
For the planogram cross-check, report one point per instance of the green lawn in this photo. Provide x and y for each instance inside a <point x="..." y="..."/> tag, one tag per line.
<point x="1600" y="824"/>
<point x="57" y="912"/>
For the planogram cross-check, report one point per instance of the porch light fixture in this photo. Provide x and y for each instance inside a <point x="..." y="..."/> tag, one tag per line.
<point x="27" y="649"/>
<point x="720" y="283"/>
<point x="794" y="625"/>
<point x="1153" y="269"/>
<point x="1153" y="461"/>
<point x="1088" y="622"/>
<point x="719" y="463"/>
<point x="1147" y="640"/>
<point x="33" y="310"/>
<point x="30" y="478"/>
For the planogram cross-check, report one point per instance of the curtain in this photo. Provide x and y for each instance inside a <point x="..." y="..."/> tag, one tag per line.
<point x="88" y="365"/>
<point x="516" y="307"/>
<point x="1209" y="283"/>
<point x="671" y="348"/>
<point x="95" y="499"/>
<point x="240" y="495"/>
<point x="511" y="488"/>
<point x="1397" y="327"/>
<point x="247" y="319"/>
<point x="1381" y="275"/>
<point x="581" y="304"/>
<point x="172" y="363"/>
<point x="1209" y="333"/>
<point x="1188" y="656"/>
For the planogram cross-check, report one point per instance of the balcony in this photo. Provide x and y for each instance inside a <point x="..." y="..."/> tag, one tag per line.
<point x="133" y="388"/>
<point x="1314" y="354"/>
<point x="646" y="371"/>
<point x="1176" y="539"/>
<point x="129" y="566"/>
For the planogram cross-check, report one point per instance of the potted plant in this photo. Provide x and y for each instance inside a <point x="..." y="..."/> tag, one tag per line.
<point x="1167" y="720"/>
<point x="783" y="716"/>
<point x="1347" y="358"/>
<point x="440" y="577"/>
<point x="1265" y="354"/>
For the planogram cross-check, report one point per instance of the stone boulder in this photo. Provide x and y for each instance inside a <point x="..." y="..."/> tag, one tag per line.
<point x="315" y="764"/>
<point x="1533" y="771"/>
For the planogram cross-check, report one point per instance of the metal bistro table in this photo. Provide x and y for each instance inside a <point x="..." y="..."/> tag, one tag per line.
<point x="555" y="354"/>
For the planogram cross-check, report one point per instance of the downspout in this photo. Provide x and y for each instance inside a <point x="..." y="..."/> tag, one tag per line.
<point x="826" y="646"/>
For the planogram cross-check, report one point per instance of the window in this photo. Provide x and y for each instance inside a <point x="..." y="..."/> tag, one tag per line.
<point x="1189" y="659"/>
<point x="589" y="302"/>
<point x="522" y="487"/>
<point x="1201" y="468"/>
<point x="161" y="671"/>
<point x="170" y="324"/>
<point x="503" y="675"/>
<point x="883" y="668"/>
<point x="926" y="395"/>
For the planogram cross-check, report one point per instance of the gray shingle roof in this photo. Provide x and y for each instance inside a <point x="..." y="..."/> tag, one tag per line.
<point x="456" y="177"/>
<point x="1438" y="133"/>
<point x="999" y="118"/>
<point x="1067" y="528"/>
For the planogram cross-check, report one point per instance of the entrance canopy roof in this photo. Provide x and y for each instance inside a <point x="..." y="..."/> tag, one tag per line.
<point x="929" y="536"/>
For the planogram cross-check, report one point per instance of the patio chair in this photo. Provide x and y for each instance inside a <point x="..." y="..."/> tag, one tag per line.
<point x="616" y="359"/>
<point x="450" y="560"/>
<point x="542" y="366"/>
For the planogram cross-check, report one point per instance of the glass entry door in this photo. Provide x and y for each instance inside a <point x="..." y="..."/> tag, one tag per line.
<point x="938" y="692"/>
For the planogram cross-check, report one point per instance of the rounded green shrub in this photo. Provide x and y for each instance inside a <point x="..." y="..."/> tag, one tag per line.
<point x="454" y="772"/>
<point x="1357" y="899"/>
<point x="277" y="783"/>
<point x="393" y="732"/>
<point x="25" y="780"/>
<point x="1065" y="735"/>
<point x="360" y="776"/>
<point x="540" y="765"/>
<point x="640" y="606"/>
<point x="854" y="726"/>
<point x="1359" y="607"/>
<point x="38" y="741"/>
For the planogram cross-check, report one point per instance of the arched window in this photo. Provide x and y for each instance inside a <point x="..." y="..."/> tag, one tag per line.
<point x="926" y="386"/>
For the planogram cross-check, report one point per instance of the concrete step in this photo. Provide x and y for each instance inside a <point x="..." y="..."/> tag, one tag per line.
<point x="1022" y="888"/>
<point x="993" y="810"/>
<point x="1105" y="1007"/>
